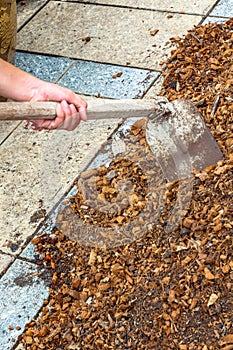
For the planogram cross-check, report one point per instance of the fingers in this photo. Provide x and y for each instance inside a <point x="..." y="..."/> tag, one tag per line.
<point x="83" y="113"/>
<point x="68" y="118"/>
<point x="70" y="111"/>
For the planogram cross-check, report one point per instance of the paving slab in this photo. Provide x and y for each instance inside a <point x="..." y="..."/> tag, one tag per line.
<point x="224" y="8"/>
<point x="20" y="157"/>
<point x="44" y="67"/>
<point x="88" y="78"/>
<point x="5" y="261"/>
<point x="27" y="176"/>
<point x="26" y="10"/>
<point x="108" y="81"/>
<point x="22" y="295"/>
<point x="89" y="33"/>
<point x="197" y="7"/>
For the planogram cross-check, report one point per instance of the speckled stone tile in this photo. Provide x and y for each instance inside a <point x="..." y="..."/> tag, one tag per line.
<point x="26" y="9"/>
<point x="29" y="253"/>
<point x="5" y="261"/>
<point x="223" y="9"/>
<point x="198" y="6"/>
<point x="22" y="295"/>
<point x="44" y="67"/>
<point x="41" y="166"/>
<point x="211" y="19"/>
<point x="108" y="80"/>
<point x="125" y="39"/>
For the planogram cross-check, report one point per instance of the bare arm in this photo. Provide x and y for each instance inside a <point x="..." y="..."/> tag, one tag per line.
<point x="21" y="86"/>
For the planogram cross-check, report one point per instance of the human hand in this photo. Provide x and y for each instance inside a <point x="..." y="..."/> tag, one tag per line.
<point x="69" y="113"/>
<point x="21" y="86"/>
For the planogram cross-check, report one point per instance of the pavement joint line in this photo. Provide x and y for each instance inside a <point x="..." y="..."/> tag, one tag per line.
<point x="10" y="133"/>
<point x="131" y="7"/>
<point x="152" y="83"/>
<point x="15" y="258"/>
<point x="209" y="17"/>
<point x="4" y="271"/>
<point x="28" y="260"/>
<point x="45" y="54"/>
<point x="210" y="10"/>
<point x="88" y="61"/>
<point x="32" y="16"/>
<point x="64" y="72"/>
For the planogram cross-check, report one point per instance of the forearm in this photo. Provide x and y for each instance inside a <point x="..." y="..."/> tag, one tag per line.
<point x="15" y="83"/>
<point x="21" y="86"/>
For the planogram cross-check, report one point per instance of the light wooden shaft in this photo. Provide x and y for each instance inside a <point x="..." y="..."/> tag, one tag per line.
<point x="27" y="110"/>
<point x="97" y="109"/>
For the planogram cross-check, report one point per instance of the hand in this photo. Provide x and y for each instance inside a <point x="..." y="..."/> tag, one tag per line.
<point x="69" y="113"/>
<point x="21" y="86"/>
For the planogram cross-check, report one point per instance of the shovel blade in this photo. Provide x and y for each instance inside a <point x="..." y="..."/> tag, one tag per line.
<point x="181" y="141"/>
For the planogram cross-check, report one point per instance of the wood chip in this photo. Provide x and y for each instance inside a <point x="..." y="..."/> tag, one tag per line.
<point x="151" y="290"/>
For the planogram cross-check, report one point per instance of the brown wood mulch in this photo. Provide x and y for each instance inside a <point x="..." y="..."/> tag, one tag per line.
<point x="162" y="291"/>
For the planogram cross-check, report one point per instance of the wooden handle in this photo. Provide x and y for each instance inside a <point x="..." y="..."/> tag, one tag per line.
<point x="27" y="110"/>
<point x="125" y="108"/>
<point x="97" y="109"/>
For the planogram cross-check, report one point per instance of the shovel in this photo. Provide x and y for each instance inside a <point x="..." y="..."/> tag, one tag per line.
<point x="175" y="131"/>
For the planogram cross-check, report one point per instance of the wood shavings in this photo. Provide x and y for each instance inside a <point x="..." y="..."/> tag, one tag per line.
<point x="161" y="291"/>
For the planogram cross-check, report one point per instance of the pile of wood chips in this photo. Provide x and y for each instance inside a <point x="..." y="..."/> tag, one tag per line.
<point x="162" y="291"/>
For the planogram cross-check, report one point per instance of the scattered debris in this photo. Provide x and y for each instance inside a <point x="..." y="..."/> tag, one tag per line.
<point x="117" y="75"/>
<point x="153" y="32"/>
<point x="163" y="291"/>
<point x="86" y="39"/>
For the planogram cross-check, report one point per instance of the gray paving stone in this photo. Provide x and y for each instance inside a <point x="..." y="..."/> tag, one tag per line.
<point x="26" y="9"/>
<point x="5" y="260"/>
<point x="29" y="253"/>
<point x="44" y="67"/>
<point x="114" y="35"/>
<point x="197" y="6"/>
<point x="22" y="295"/>
<point x="223" y="9"/>
<point x="211" y="19"/>
<point x="112" y="81"/>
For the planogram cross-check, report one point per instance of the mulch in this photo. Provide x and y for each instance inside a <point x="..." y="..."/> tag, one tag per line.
<point x="160" y="290"/>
